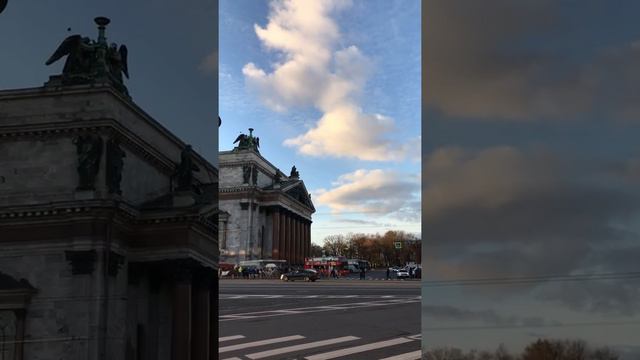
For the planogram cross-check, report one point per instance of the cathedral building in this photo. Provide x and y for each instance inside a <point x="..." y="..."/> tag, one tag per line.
<point x="264" y="213"/>
<point x="108" y="245"/>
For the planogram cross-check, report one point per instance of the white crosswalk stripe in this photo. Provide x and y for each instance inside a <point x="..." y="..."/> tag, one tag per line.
<point x="277" y="348"/>
<point x="290" y="349"/>
<point x="358" y="349"/>
<point x="229" y="338"/>
<point x="259" y="343"/>
<point x="414" y="355"/>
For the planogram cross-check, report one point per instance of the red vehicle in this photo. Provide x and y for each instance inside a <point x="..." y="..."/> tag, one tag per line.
<point x="324" y="265"/>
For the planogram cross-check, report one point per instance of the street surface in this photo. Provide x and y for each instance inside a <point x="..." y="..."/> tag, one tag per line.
<point x="327" y="319"/>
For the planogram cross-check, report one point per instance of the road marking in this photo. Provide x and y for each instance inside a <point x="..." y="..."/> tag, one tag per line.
<point x="287" y="311"/>
<point x="300" y="347"/>
<point x="259" y="343"/>
<point x="229" y="338"/>
<point x="414" y="355"/>
<point x="236" y="317"/>
<point x="311" y="309"/>
<point x="324" y="296"/>
<point x="358" y="349"/>
<point x="233" y="358"/>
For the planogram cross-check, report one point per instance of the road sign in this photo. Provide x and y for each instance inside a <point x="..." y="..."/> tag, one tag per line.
<point x="398" y="245"/>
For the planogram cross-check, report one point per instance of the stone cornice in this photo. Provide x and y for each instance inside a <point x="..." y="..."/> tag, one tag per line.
<point x="108" y="127"/>
<point x="265" y="170"/>
<point x="153" y="255"/>
<point x="254" y="158"/>
<point x="249" y="190"/>
<point x="39" y="129"/>
<point x="275" y="199"/>
<point x="240" y="188"/>
<point x="64" y="208"/>
<point x="78" y="209"/>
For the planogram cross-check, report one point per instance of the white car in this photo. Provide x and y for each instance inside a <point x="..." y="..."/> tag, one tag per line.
<point x="402" y="274"/>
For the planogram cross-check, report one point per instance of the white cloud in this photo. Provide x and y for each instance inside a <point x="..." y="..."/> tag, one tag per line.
<point x="373" y="192"/>
<point x="312" y="72"/>
<point x="342" y="132"/>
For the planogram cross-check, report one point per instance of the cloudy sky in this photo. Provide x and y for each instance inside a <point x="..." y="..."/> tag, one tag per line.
<point x="332" y="87"/>
<point x="171" y="46"/>
<point x="531" y="167"/>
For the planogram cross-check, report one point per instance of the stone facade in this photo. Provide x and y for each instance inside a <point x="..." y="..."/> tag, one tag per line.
<point x="264" y="214"/>
<point x="105" y="275"/>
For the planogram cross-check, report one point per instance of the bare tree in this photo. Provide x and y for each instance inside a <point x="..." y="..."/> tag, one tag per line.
<point x="603" y="353"/>
<point x="316" y="250"/>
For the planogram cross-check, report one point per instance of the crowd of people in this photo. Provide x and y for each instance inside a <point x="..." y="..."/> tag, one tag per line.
<point x="249" y="272"/>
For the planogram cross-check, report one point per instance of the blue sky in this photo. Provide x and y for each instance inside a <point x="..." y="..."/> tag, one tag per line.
<point x="173" y="76"/>
<point x="373" y="49"/>
<point x="531" y="167"/>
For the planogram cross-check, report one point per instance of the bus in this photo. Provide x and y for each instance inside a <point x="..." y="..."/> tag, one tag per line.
<point x="355" y="265"/>
<point x="324" y="265"/>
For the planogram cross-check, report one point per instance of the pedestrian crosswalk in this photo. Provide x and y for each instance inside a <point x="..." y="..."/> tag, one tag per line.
<point x="320" y="296"/>
<point x="300" y="347"/>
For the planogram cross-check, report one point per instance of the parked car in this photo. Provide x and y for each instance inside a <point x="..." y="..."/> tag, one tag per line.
<point x="306" y="275"/>
<point x="402" y="274"/>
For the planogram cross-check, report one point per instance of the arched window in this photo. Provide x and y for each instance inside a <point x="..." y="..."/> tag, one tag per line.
<point x="7" y="334"/>
<point x="14" y="297"/>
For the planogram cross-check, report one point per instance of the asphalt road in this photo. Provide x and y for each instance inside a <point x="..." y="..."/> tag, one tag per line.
<point x="327" y="319"/>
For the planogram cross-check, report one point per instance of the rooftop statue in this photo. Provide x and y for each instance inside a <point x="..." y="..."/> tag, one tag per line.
<point x="294" y="173"/>
<point x="247" y="142"/>
<point x="184" y="170"/>
<point x="89" y="60"/>
<point x="89" y="150"/>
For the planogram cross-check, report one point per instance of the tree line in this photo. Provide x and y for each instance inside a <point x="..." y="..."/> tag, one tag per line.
<point x="379" y="249"/>
<point x="542" y="349"/>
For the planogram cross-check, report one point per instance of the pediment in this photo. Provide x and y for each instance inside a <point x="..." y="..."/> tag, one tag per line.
<point x="299" y="192"/>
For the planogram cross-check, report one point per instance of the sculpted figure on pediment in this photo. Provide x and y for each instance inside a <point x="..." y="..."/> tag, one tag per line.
<point x="89" y="150"/>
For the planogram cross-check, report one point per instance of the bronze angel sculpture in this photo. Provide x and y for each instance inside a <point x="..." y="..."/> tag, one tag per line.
<point x="247" y="141"/>
<point x="89" y="60"/>
<point x="80" y="54"/>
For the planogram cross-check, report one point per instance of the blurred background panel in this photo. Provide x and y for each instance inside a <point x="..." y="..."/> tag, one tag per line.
<point x="530" y="177"/>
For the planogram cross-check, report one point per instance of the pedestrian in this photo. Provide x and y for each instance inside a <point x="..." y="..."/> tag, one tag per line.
<point x="362" y="273"/>
<point x="388" y="273"/>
